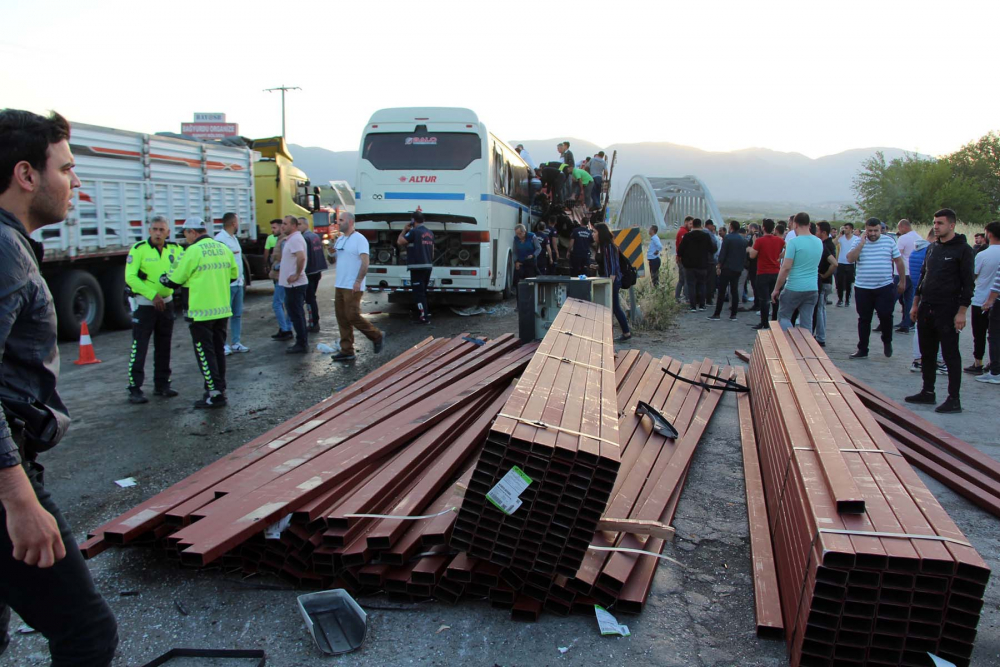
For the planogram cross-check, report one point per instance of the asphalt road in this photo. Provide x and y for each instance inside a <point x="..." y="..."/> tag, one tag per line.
<point x="699" y="614"/>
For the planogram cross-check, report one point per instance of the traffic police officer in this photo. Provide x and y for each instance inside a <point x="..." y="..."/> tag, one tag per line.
<point x="419" y="242"/>
<point x="206" y="268"/>
<point x="153" y="314"/>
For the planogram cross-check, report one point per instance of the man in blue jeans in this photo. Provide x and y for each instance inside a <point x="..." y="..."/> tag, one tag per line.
<point x="874" y="257"/>
<point x="797" y="284"/>
<point x="227" y="237"/>
<point x="278" y="300"/>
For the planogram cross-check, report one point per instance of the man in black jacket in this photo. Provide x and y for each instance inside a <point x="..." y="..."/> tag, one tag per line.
<point x="943" y="295"/>
<point x="694" y="250"/>
<point x="42" y="573"/>
<point x="732" y="256"/>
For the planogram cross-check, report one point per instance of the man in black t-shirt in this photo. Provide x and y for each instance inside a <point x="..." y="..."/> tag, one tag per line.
<point x="419" y="242"/>
<point x="580" y="240"/>
<point x="695" y="250"/>
<point x="827" y="267"/>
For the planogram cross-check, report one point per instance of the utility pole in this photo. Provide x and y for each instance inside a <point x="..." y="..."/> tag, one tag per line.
<point x="282" y="89"/>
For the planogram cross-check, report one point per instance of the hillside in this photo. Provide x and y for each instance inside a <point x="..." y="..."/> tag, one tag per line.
<point x="749" y="175"/>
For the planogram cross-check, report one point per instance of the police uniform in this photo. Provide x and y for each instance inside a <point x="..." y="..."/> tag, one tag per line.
<point x="206" y="269"/>
<point x="579" y="258"/>
<point x="143" y="268"/>
<point x="420" y="261"/>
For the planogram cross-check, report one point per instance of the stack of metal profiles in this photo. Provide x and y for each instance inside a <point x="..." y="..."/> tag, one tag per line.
<point x="871" y="569"/>
<point x="560" y="426"/>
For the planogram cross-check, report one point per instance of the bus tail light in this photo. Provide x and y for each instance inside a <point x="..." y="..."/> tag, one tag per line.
<point x="475" y="237"/>
<point x="463" y="272"/>
<point x="378" y="270"/>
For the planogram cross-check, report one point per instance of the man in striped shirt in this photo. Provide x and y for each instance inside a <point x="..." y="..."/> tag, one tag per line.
<point x="874" y="257"/>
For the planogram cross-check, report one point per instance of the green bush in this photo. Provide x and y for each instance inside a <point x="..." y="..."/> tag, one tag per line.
<point x="657" y="305"/>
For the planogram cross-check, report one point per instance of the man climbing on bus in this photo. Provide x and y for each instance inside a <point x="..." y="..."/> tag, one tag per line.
<point x="419" y="243"/>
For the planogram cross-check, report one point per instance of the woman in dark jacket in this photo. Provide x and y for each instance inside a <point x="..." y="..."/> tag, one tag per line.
<point x="609" y="267"/>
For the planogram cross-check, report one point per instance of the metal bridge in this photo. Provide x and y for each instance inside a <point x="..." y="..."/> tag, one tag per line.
<point x="665" y="202"/>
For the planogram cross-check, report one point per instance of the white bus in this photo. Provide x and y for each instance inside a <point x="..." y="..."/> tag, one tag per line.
<point x="472" y="188"/>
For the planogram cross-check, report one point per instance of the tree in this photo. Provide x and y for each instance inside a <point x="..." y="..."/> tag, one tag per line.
<point x="979" y="161"/>
<point x="913" y="188"/>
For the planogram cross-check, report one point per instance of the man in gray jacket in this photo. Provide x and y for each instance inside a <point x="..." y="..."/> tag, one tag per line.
<point x="732" y="256"/>
<point x="42" y="573"/>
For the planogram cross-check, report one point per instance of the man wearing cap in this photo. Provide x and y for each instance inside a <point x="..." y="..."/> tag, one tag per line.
<point x="207" y="268"/>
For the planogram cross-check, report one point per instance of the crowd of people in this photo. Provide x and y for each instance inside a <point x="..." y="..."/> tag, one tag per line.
<point x="793" y="269"/>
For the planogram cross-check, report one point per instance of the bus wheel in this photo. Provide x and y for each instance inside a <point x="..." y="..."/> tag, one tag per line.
<point x="117" y="313"/>
<point x="78" y="298"/>
<point x="508" y="280"/>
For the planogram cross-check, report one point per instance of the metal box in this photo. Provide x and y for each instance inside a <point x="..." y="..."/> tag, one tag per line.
<point x="539" y="300"/>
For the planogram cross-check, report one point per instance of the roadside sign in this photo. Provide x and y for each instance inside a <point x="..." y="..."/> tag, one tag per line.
<point x="210" y="130"/>
<point x="201" y="117"/>
<point x="630" y="242"/>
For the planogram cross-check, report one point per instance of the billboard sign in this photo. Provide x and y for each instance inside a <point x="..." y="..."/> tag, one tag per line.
<point x="210" y="130"/>
<point x="209" y="117"/>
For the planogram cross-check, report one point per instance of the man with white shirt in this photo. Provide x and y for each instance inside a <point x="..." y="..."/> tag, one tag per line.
<point x="352" y="265"/>
<point x="846" y="241"/>
<point x="987" y="264"/>
<point x="907" y="243"/>
<point x="526" y="156"/>
<point x="227" y="237"/>
<point x="292" y="276"/>
<point x="598" y="168"/>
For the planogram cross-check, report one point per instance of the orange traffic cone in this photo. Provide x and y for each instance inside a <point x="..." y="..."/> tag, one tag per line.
<point x="87" y="355"/>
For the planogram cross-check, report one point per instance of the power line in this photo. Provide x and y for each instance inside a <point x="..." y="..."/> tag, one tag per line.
<point x="282" y="89"/>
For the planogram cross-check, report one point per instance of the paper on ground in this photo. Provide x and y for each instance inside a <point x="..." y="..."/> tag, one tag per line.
<point x="609" y="624"/>
<point x="127" y="482"/>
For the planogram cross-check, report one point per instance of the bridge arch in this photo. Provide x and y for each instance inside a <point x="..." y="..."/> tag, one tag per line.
<point x="666" y="201"/>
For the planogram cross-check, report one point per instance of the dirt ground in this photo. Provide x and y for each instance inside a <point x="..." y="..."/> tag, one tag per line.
<point x="699" y="614"/>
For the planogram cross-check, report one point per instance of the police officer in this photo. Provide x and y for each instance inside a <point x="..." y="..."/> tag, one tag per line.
<point x="43" y="576"/>
<point x="206" y="269"/>
<point x="419" y="242"/>
<point x="580" y="240"/>
<point x="153" y="314"/>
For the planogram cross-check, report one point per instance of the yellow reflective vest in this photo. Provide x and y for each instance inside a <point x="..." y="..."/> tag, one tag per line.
<point x="206" y="269"/>
<point x="144" y="266"/>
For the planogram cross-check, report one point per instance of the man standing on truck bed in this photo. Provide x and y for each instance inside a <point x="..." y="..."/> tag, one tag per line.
<point x="419" y="242"/>
<point x="42" y="573"/>
<point x="153" y="315"/>
<point x="207" y="268"/>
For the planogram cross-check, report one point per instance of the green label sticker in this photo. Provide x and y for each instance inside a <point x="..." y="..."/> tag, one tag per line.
<point x="506" y="494"/>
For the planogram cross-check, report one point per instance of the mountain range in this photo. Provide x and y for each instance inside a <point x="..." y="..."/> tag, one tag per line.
<point x="748" y="175"/>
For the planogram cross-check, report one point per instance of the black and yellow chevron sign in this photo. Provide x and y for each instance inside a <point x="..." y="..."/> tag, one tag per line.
<point x="630" y="242"/>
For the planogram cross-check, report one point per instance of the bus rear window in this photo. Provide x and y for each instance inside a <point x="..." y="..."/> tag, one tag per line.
<point x="413" y="151"/>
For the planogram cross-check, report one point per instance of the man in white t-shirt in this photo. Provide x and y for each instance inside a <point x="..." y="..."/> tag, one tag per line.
<point x="230" y="225"/>
<point x="352" y="265"/>
<point x="907" y="243"/>
<point x="292" y="276"/>
<point x="987" y="268"/>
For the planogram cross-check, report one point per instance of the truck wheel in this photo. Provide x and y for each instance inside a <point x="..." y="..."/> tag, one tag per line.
<point x="247" y="274"/>
<point x="508" y="279"/>
<point x="78" y="298"/>
<point x="117" y="314"/>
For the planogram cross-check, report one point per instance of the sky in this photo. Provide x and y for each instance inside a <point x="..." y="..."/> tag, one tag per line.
<point x="814" y="77"/>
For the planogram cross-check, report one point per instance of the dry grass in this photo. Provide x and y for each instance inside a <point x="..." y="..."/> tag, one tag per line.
<point x="657" y="304"/>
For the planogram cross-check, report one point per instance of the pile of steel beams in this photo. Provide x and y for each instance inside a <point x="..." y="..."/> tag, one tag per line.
<point x="560" y="426"/>
<point x="871" y="569"/>
<point x="956" y="464"/>
<point x="361" y="491"/>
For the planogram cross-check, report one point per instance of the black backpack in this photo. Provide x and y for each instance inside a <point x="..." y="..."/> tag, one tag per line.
<point x="629" y="274"/>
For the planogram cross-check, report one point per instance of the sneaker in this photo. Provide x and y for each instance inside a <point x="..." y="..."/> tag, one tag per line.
<point x="424" y="320"/>
<point x="716" y="318"/>
<point x="732" y="318"/>
<point x="297" y="349"/>
<point x="878" y="328"/>
<point x="887" y="349"/>
<point x="701" y="307"/>
<point x="974" y="369"/>
<point x="840" y="304"/>
<point x="227" y="350"/>
<point x="951" y="405"/>
<point x="760" y="327"/>
<point x="240" y="348"/>
<point x="847" y="304"/>
<point x="858" y="354"/>
<point x="989" y="378"/>
<point x="829" y="301"/>
<point x="922" y="397"/>
<point x="283" y="335"/>
<point x="165" y="392"/>
<point x="821" y="343"/>
<point x="313" y="329"/>
<point x="916" y="366"/>
<point x="377" y="345"/>
<point x="136" y="397"/>
<point x="210" y="402"/>
<point x="942" y="369"/>
<point x="692" y="309"/>
<point x="340" y="356"/>
<point x="902" y="330"/>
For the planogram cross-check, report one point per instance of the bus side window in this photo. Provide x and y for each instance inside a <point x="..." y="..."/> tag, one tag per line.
<point x="497" y="172"/>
